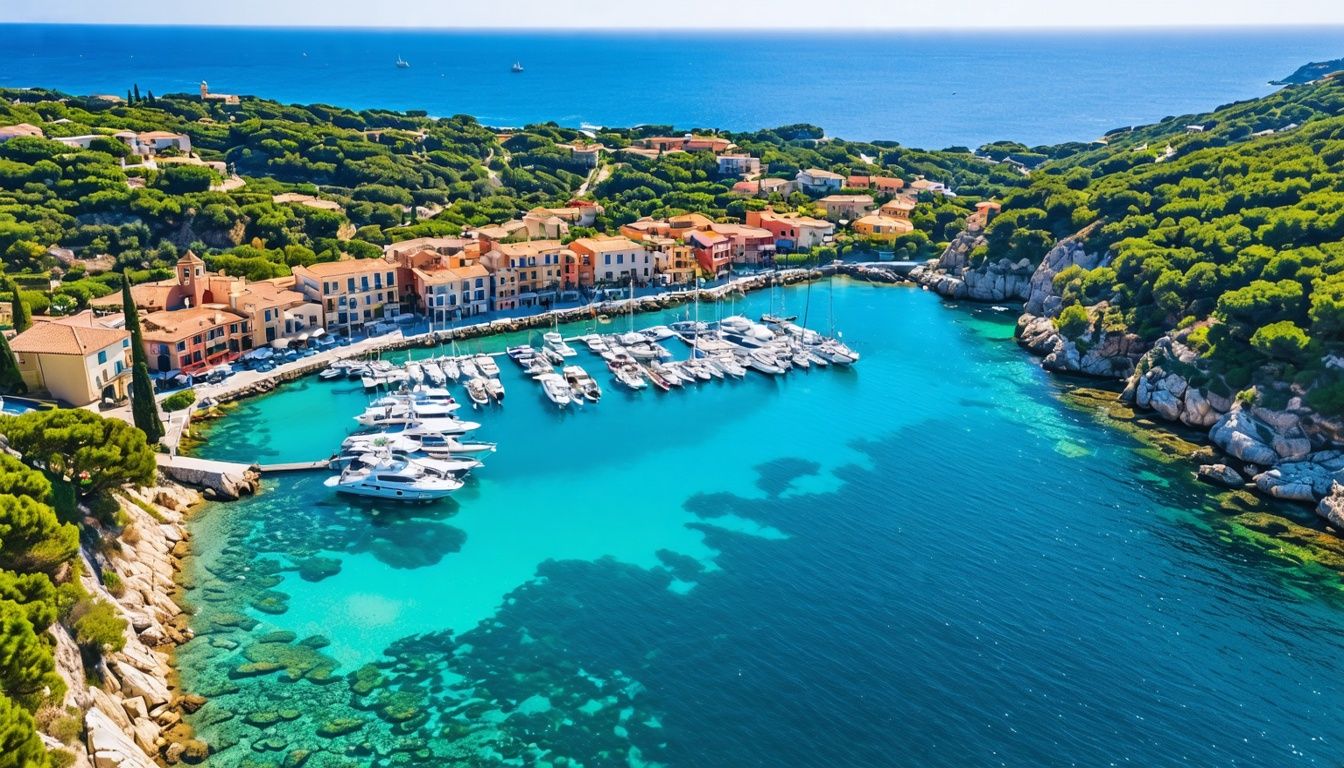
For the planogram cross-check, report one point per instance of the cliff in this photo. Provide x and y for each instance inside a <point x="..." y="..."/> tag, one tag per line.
<point x="956" y="274"/>
<point x="127" y="699"/>
<point x="1310" y="72"/>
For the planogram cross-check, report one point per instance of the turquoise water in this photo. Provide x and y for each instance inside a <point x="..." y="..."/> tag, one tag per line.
<point x="924" y="89"/>
<point x="925" y="561"/>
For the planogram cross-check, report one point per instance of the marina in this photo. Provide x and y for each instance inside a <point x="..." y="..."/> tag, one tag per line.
<point x="408" y="447"/>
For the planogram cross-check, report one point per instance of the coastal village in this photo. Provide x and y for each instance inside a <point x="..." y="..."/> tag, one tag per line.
<point x="198" y="321"/>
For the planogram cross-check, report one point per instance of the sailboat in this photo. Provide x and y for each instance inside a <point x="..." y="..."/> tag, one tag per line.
<point x="402" y="63"/>
<point x="516" y="68"/>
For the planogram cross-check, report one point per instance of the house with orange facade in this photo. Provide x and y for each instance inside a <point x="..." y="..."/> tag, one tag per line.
<point x="883" y="185"/>
<point x="685" y="143"/>
<point x="195" y="339"/>
<point x="713" y="251"/>
<point x="526" y="273"/>
<point x="792" y="232"/>
<point x="450" y="288"/>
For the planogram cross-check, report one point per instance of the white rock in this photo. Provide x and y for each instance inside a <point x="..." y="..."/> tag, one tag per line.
<point x="110" y="746"/>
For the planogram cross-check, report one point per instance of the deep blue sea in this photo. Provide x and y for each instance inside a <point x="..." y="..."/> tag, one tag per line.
<point x="924" y="89"/>
<point x="925" y="561"/>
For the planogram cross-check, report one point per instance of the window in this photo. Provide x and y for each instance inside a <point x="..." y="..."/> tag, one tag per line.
<point x="102" y="357"/>
<point x="125" y="343"/>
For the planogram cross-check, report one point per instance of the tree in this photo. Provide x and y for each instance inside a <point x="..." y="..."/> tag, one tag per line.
<point x="23" y="316"/>
<point x="97" y="625"/>
<point x="144" y="410"/>
<point x="27" y="672"/>
<point x="20" y="746"/>
<point x="31" y="538"/>
<point x="1282" y="341"/>
<point x="93" y="452"/>
<point x="11" y="381"/>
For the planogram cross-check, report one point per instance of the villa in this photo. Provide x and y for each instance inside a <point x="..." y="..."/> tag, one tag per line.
<point x="738" y="164"/>
<point x="931" y="187"/>
<point x="686" y="143"/>
<point x="876" y="226"/>
<point x="883" y="185"/>
<point x="583" y="155"/>
<point x="79" y="359"/>
<point x="846" y="206"/>
<point x="18" y="130"/>
<point x="792" y="232"/>
<point x="814" y="180"/>
<point x="227" y="99"/>
<point x="353" y="293"/>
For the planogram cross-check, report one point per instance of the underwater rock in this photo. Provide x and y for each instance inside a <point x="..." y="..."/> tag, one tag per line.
<point x="271" y="602"/>
<point x="296" y="758"/>
<point x="319" y="568"/>
<point x="365" y="680"/>
<point x="194" y="751"/>
<point x="315" y="641"/>
<point x="233" y="620"/>
<point x="283" y="636"/>
<point x="255" y="669"/>
<point x="1221" y="474"/>
<point x="341" y="726"/>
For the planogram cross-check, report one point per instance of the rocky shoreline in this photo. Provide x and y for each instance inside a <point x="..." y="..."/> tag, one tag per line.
<point x="129" y="701"/>
<point x="1288" y="452"/>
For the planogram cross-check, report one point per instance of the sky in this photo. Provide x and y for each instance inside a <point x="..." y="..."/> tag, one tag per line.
<point x="683" y="14"/>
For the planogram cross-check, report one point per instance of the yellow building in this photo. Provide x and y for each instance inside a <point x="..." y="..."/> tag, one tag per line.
<point x="353" y="293"/>
<point x="875" y="226"/>
<point x="79" y="360"/>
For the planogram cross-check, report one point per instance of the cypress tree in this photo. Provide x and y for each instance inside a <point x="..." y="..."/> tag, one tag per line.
<point x="11" y="382"/>
<point x="136" y="90"/>
<point x="23" y="317"/>
<point x="143" y="408"/>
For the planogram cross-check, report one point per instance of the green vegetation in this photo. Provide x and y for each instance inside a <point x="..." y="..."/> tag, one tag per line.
<point x="11" y="381"/>
<point x="39" y="563"/>
<point x="179" y="400"/>
<point x="143" y="411"/>
<point x="1239" y="233"/>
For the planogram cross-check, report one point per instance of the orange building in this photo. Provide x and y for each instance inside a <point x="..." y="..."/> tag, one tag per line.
<point x="193" y="340"/>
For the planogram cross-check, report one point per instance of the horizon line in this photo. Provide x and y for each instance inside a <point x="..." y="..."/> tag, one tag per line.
<point x="1129" y="27"/>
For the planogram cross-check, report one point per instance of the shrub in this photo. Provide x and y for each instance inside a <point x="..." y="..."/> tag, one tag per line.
<point x="112" y="581"/>
<point x="179" y="400"/>
<point x="97" y="626"/>
<point x="1073" y="321"/>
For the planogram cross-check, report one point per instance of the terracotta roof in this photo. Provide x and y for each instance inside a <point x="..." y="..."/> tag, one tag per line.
<point x="451" y="274"/>
<point x="860" y="199"/>
<point x="528" y="248"/>
<point x="177" y="324"/>
<point x="20" y="129"/>
<point x="61" y="338"/>
<point x="603" y="244"/>
<point x="345" y="267"/>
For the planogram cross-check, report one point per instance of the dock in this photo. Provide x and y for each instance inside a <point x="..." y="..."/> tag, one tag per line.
<point x="293" y="466"/>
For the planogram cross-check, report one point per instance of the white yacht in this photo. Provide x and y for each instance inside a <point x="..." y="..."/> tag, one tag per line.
<point x="434" y="374"/>
<point x="468" y="368"/>
<point x="395" y="480"/>
<point x="554" y="341"/>
<point x="450" y="369"/>
<point x="582" y="384"/>
<point x="487" y="366"/>
<point x="401" y="413"/>
<point x="443" y="465"/>
<point x="557" y="391"/>
<point x="443" y="426"/>
<point x="432" y="441"/>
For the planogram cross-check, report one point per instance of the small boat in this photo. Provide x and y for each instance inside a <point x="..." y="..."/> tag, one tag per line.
<point x="730" y="365"/>
<point x="520" y="354"/>
<point x="658" y="333"/>
<point x="836" y="352"/>
<point x="477" y="391"/>
<point x="434" y="374"/>
<point x="769" y="319"/>
<point x="333" y="372"/>
<point x="402" y="63"/>
<point x="486" y="365"/>
<point x="415" y="373"/>
<point x="495" y="388"/>
<point x="469" y="369"/>
<point x="517" y="67"/>
<point x="556" y="389"/>
<point x="655" y="379"/>
<point x="396" y="480"/>
<point x="582" y="384"/>
<point x="628" y="375"/>
<point x="763" y="361"/>
<point x="552" y="356"/>
<point x="595" y="343"/>
<point x="668" y="371"/>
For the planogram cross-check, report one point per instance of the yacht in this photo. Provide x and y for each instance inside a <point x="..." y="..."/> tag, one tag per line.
<point x="477" y="391"/>
<point x="764" y="361"/>
<point x="557" y="391"/>
<point x="468" y="368"/>
<point x="836" y="352"/>
<point x="404" y="413"/>
<point x="658" y="333"/>
<point x="517" y="68"/>
<point x="595" y="343"/>
<point x="444" y="426"/>
<point x="434" y="374"/>
<point x="442" y="465"/>
<point x="554" y="341"/>
<point x="330" y="373"/>
<point x="402" y="63"/>
<point x="450" y="369"/>
<point x="744" y="332"/>
<point x="433" y="441"/>
<point x="628" y="374"/>
<point x="395" y="480"/>
<point x="495" y="389"/>
<point x="582" y="384"/>
<point x="415" y="373"/>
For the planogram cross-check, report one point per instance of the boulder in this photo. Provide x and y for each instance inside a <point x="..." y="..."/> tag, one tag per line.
<point x="1331" y="507"/>
<point x="110" y="746"/>
<point x="1221" y="474"/>
<point x="148" y="687"/>
<point x="1238" y="434"/>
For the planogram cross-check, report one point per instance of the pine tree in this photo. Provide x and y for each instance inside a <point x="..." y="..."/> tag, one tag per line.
<point x="149" y="97"/>
<point x="11" y="381"/>
<point x="143" y="407"/>
<point x="23" y="317"/>
<point x="20" y="746"/>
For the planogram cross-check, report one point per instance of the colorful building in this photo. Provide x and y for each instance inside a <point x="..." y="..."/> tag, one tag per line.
<point x="792" y="232"/>
<point x="526" y="273"/>
<point x="875" y="226"/>
<point x="194" y="340"/>
<point x="846" y="206"/>
<point x="685" y="143"/>
<point x="713" y="251"/>
<point x="78" y="360"/>
<point x="738" y="164"/>
<point x="354" y="293"/>
<point x="615" y="258"/>
<point x="883" y="185"/>
<point x="817" y="181"/>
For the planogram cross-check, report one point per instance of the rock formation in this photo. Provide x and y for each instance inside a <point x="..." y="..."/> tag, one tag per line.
<point x="955" y="276"/>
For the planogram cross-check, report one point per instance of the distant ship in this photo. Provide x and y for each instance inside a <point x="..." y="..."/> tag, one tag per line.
<point x="517" y="67"/>
<point x="402" y="63"/>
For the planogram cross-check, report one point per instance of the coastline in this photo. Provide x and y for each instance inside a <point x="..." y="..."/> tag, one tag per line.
<point x="130" y="702"/>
